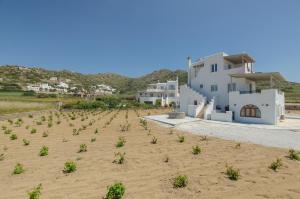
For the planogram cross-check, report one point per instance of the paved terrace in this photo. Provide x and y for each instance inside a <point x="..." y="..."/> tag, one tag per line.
<point x="281" y="136"/>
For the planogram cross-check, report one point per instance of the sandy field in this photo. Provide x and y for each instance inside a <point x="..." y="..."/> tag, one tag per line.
<point x="145" y="173"/>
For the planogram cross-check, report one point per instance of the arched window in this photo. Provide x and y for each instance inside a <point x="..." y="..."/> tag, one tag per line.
<point x="250" y="111"/>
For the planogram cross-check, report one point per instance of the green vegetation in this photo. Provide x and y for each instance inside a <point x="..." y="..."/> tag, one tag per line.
<point x="232" y="173"/>
<point x="13" y="137"/>
<point x="82" y="148"/>
<point x="293" y="155"/>
<point x="181" y="138"/>
<point x="154" y="140"/>
<point x="26" y="142"/>
<point x="121" y="142"/>
<point x="276" y="164"/>
<point x="180" y="181"/>
<point x="44" y="151"/>
<point x="119" y="158"/>
<point x="36" y="192"/>
<point x="115" y="191"/>
<point x="18" y="169"/>
<point x="196" y="150"/>
<point x="70" y="167"/>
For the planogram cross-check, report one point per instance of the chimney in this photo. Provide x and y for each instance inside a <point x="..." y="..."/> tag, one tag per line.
<point x="189" y="64"/>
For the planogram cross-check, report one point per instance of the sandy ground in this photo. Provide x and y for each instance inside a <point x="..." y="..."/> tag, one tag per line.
<point x="144" y="173"/>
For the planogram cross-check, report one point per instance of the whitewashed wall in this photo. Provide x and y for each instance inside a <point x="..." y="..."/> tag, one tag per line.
<point x="224" y="117"/>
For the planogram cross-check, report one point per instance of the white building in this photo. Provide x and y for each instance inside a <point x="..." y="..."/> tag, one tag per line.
<point x="102" y="89"/>
<point x="42" y="87"/>
<point x="165" y="93"/>
<point x="223" y="87"/>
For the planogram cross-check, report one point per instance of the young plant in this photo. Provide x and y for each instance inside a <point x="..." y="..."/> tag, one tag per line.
<point x="50" y="124"/>
<point x="13" y="137"/>
<point x="38" y="123"/>
<point x="36" y="192"/>
<point x="125" y="127"/>
<point x="154" y="140"/>
<point x="2" y="157"/>
<point x="238" y="146"/>
<point x="121" y="142"/>
<point x="33" y="131"/>
<point x="26" y="142"/>
<point x="232" y="173"/>
<point x="7" y="131"/>
<point x="44" y="151"/>
<point x="30" y="116"/>
<point x="93" y="139"/>
<point x="96" y="131"/>
<point x="119" y="158"/>
<point x="181" y="138"/>
<point x="166" y="159"/>
<point x="82" y="148"/>
<point x="293" y="155"/>
<point x="69" y="167"/>
<point x="276" y="164"/>
<point x="18" y="169"/>
<point x="45" y="134"/>
<point x="115" y="191"/>
<point x="180" y="181"/>
<point x="196" y="150"/>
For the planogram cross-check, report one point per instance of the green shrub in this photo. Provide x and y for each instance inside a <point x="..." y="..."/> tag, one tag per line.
<point x="119" y="158"/>
<point x="70" y="167"/>
<point x="2" y="157"/>
<point x="26" y="142"/>
<point x="180" y="181"/>
<point x="181" y="138"/>
<point x="154" y="140"/>
<point x="82" y="148"/>
<point x="7" y="131"/>
<point x="44" y="151"/>
<point x="293" y="155"/>
<point x="30" y="115"/>
<point x="232" y="173"/>
<point x="36" y="192"/>
<point x="115" y="191"/>
<point x="33" y="131"/>
<point x="196" y="150"/>
<point x="18" y="169"/>
<point x="276" y="164"/>
<point x="13" y="137"/>
<point x="45" y="134"/>
<point x="121" y="142"/>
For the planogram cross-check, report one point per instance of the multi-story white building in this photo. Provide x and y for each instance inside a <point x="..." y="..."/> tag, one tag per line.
<point x="223" y="87"/>
<point x="164" y="93"/>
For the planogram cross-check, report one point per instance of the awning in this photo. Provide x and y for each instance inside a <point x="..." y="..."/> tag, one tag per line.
<point x="239" y="58"/>
<point x="261" y="76"/>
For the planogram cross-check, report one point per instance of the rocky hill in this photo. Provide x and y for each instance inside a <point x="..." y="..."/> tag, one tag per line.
<point x="17" y="77"/>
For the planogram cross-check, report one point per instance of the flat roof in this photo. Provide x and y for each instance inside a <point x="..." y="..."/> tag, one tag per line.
<point x="260" y="76"/>
<point x="240" y="58"/>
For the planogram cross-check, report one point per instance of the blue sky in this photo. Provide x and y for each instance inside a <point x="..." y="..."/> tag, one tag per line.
<point x="134" y="37"/>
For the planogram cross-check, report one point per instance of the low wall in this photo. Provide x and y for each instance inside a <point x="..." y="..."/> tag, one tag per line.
<point x="177" y="115"/>
<point x="292" y="106"/>
<point x="224" y="117"/>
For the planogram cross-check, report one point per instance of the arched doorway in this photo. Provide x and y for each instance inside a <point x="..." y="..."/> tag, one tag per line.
<point x="250" y="110"/>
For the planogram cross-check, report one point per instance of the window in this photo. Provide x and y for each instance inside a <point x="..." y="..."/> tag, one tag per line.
<point x="195" y="102"/>
<point x="250" y="111"/>
<point x="171" y="87"/>
<point x="214" y="88"/>
<point x="231" y="87"/>
<point x="214" y="68"/>
<point x="201" y="85"/>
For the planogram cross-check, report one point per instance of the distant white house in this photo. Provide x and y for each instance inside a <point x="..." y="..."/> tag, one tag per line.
<point x="165" y="93"/>
<point x="53" y="79"/>
<point x="41" y="87"/>
<point x="63" y="85"/>
<point x="223" y="87"/>
<point x="103" y="89"/>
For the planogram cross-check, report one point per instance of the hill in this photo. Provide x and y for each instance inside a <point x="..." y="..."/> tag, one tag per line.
<point x="17" y="77"/>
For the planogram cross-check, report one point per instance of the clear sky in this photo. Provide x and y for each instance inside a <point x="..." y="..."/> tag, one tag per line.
<point x="134" y="37"/>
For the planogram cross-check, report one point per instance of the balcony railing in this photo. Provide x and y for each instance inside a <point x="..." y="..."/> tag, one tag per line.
<point x="250" y="92"/>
